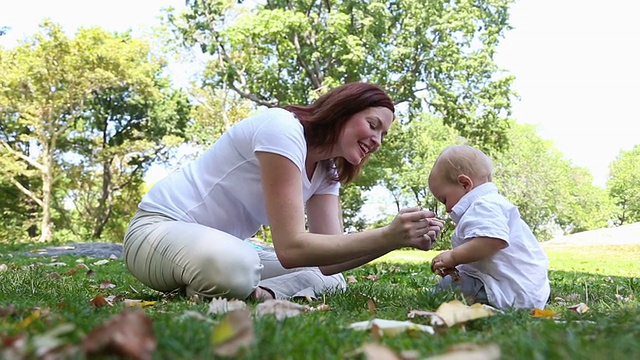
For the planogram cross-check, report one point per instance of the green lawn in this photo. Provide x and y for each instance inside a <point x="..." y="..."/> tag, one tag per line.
<point x="33" y="301"/>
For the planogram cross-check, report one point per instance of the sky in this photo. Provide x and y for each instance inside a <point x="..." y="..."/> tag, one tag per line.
<point x="575" y="63"/>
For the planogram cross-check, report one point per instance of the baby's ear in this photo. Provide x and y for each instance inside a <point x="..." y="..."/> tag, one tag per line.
<point x="465" y="181"/>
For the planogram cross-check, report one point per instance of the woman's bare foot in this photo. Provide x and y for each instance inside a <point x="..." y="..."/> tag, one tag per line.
<point x="261" y="294"/>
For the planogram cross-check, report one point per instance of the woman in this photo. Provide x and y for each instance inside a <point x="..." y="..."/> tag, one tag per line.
<point x="281" y="167"/>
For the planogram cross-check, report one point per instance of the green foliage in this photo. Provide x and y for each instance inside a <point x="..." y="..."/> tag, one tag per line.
<point x="213" y="114"/>
<point x="437" y="53"/>
<point x="82" y="119"/>
<point x="624" y="185"/>
<point x="548" y="191"/>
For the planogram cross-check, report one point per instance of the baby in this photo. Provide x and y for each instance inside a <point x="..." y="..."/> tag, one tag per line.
<point x="496" y="259"/>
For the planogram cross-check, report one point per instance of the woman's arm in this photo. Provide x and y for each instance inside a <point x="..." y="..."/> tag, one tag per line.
<point x="295" y="247"/>
<point x="324" y="217"/>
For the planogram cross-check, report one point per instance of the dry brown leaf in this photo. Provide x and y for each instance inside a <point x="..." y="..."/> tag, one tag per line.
<point x="8" y="310"/>
<point x="321" y="307"/>
<point x="91" y="273"/>
<point x="233" y="334"/>
<point x="579" y="308"/>
<point x="71" y="272"/>
<point x="128" y="334"/>
<point x="82" y="266"/>
<point x="351" y="279"/>
<point x="280" y="308"/>
<point x="221" y="305"/>
<point x="100" y="301"/>
<point x="468" y="351"/>
<point x="371" y="306"/>
<point x="455" y="312"/>
<point x="373" y="277"/>
<point x="54" y="275"/>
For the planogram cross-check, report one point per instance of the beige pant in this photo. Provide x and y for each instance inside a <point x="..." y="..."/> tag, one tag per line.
<point x="169" y="255"/>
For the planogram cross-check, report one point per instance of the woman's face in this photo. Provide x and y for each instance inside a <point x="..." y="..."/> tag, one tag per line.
<point x="363" y="133"/>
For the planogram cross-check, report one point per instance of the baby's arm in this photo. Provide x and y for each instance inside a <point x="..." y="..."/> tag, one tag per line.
<point x="473" y="250"/>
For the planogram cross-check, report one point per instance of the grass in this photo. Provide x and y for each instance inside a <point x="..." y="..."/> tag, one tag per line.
<point x="607" y="279"/>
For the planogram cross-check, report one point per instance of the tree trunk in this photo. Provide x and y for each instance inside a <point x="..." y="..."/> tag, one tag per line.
<point x="46" y="227"/>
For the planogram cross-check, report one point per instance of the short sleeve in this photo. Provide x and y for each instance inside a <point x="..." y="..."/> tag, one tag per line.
<point x="282" y="134"/>
<point x="485" y="220"/>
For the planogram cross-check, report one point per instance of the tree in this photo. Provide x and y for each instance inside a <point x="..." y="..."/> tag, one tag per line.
<point x="549" y="192"/>
<point x="437" y="54"/>
<point x="624" y="185"/>
<point x="71" y="107"/>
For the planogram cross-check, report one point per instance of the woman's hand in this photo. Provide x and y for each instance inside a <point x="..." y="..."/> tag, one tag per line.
<point x="414" y="227"/>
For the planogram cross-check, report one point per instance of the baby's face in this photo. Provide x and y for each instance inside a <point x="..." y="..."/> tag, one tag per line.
<point x="446" y="192"/>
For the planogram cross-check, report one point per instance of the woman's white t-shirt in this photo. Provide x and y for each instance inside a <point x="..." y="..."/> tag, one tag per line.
<point x="222" y="188"/>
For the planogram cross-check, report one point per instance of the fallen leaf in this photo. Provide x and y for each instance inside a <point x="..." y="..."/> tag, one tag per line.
<point x="579" y="308"/>
<point x="623" y="298"/>
<point x="321" y="307"/>
<point x="221" y="305"/>
<point x="57" y="264"/>
<point x="572" y="297"/>
<point x="107" y="285"/>
<point x="101" y="262"/>
<point x="7" y="310"/>
<point x="280" y="308"/>
<point x="54" y="275"/>
<point x="351" y="279"/>
<point x="128" y="334"/>
<point x="82" y="266"/>
<point x="435" y="319"/>
<point x="140" y="303"/>
<point x="100" y="301"/>
<point x="371" y="305"/>
<point x="28" y="320"/>
<point x="373" y="277"/>
<point x="51" y="343"/>
<point x="542" y="313"/>
<point x="233" y="334"/>
<point x="468" y="351"/>
<point x="391" y="327"/>
<point x="455" y="312"/>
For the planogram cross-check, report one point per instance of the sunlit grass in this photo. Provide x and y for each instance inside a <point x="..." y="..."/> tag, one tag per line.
<point x="398" y="283"/>
<point x="615" y="260"/>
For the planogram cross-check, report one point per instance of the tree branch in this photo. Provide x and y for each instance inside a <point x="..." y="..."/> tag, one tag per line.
<point x="22" y="156"/>
<point x="25" y="191"/>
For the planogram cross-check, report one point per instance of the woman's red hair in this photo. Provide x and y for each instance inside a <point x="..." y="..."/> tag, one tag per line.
<point x="325" y="118"/>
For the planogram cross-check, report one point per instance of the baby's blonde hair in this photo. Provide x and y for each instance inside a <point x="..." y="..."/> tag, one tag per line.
<point x="456" y="160"/>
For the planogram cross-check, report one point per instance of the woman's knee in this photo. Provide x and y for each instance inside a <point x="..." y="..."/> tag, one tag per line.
<point x="230" y="274"/>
